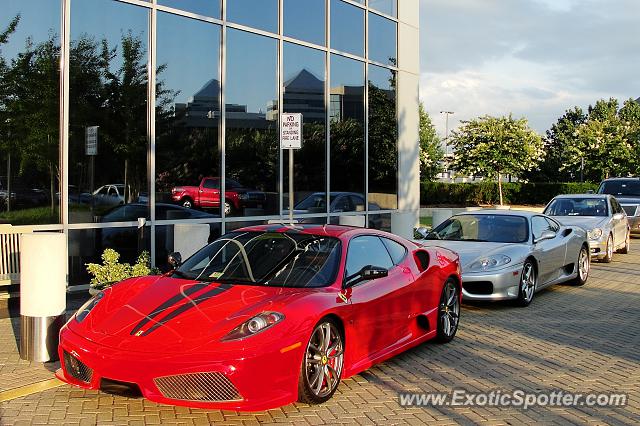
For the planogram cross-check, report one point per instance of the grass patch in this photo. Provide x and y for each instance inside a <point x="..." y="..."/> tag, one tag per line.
<point x="426" y="221"/>
<point x="32" y="216"/>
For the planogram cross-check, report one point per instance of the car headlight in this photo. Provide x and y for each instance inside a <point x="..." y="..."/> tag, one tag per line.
<point x="489" y="262"/>
<point x="84" y="310"/>
<point x="254" y="326"/>
<point x="595" y="233"/>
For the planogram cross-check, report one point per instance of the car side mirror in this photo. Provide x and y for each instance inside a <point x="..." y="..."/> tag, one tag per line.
<point x="421" y="232"/>
<point x="174" y="259"/>
<point x="367" y="273"/>
<point x="618" y="216"/>
<point x="546" y="235"/>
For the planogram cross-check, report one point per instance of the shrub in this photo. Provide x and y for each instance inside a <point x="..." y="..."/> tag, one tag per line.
<point x="486" y="192"/>
<point x="112" y="271"/>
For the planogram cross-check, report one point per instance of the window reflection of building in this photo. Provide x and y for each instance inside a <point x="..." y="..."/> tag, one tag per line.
<point x="111" y="71"/>
<point x="347" y="102"/>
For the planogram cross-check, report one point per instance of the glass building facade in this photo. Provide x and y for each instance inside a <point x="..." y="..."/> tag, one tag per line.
<point x="120" y="119"/>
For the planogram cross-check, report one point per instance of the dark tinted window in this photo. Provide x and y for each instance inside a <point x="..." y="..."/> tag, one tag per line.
<point x="587" y="206"/>
<point x="616" y="207"/>
<point x="396" y="250"/>
<point x="263" y="258"/>
<point x="620" y="187"/>
<point x="483" y="227"/>
<point x="262" y="14"/>
<point x="366" y="250"/>
<point x="211" y="184"/>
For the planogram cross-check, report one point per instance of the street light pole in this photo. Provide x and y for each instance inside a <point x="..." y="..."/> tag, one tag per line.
<point x="446" y="134"/>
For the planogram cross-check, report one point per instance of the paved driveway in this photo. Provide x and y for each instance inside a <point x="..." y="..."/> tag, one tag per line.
<point x="572" y="339"/>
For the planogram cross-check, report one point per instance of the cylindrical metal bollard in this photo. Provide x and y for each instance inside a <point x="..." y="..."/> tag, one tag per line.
<point x="403" y="223"/>
<point x="43" y="289"/>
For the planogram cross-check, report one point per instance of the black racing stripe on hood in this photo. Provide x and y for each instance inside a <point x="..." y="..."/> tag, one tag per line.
<point x="168" y="304"/>
<point x="188" y="305"/>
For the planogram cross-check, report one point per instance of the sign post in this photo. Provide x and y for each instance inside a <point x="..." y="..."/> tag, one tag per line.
<point x="91" y="150"/>
<point x="291" y="139"/>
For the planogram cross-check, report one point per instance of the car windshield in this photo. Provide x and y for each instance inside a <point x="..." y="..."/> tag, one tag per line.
<point x="277" y="259"/>
<point x="577" y="207"/>
<point x="621" y="187"/>
<point x="483" y="228"/>
<point x="314" y="201"/>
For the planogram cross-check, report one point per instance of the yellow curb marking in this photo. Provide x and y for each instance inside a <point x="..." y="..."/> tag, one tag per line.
<point x="29" y="389"/>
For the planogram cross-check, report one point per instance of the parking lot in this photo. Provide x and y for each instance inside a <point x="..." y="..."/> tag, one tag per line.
<point x="571" y="339"/>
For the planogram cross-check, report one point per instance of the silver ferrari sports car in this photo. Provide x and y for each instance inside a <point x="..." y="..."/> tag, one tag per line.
<point x="512" y="254"/>
<point x="600" y="215"/>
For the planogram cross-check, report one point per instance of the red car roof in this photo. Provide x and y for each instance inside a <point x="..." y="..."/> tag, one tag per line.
<point x="313" y="229"/>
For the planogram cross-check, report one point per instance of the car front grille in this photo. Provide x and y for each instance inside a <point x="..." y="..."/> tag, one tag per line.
<point x="631" y="209"/>
<point x="478" y="287"/>
<point x="210" y="387"/>
<point x="256" y="196"/>
<point x="76" y="368"/>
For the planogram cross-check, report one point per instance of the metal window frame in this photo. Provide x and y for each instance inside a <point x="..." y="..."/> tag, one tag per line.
<point x="65" y="226"/>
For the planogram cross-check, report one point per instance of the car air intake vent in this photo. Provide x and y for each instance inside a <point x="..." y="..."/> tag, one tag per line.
<point x="478" y="287"/>
<point x="212" y="387"/>
<point x="77" y="368"/>
<point x="630" y="209"/>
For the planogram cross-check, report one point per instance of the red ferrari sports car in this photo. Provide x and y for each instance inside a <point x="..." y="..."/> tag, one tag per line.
<point x="263" y="316"/>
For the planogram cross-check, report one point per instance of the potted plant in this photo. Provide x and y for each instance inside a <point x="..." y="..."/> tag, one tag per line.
<point x="112" y="271"/>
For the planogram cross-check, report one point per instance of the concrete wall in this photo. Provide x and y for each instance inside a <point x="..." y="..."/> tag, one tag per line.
<point x="408" y="120"/>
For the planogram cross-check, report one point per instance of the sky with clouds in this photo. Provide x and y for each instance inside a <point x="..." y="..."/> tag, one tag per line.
<point x="532" y="58"/>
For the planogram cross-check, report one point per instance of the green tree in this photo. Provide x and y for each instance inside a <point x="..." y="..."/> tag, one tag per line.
<point x="431" y="152"/>
<point x="606" y="143"/>
<point x="496" y="146"/>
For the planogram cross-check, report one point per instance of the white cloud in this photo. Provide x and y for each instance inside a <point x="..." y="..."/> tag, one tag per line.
<point x="534" y="58"/>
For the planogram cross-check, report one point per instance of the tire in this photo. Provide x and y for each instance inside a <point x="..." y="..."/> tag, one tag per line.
<point x="322" y="363"/>
<point x="448" y="312"/>
<point x="528" y="284"/>
<point x="187" y="203"/>
<point x="627" y="244"/>
<point x="583" y="266"/>
<point x="608" y="257"/>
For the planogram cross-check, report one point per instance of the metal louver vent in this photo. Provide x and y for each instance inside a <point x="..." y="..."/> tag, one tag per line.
<point x="213" y="387"/>
<point x="77" y="368"/>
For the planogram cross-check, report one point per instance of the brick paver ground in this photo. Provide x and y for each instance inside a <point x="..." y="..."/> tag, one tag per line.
<point x="574" y="339"/>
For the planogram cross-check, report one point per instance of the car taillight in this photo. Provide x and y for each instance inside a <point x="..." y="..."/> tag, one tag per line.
<point x="176" y="190"/>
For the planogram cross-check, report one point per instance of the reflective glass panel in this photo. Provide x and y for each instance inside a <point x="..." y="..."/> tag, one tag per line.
<point x="347" y="27"/>
<point x="107" y="107"/>
<point x="380" y="222"/>
<point x="383" y="138"/>
<point x="305" y="20"/>
<point x="388" y="7"/>
<point x="201" y="7"/>
<point x="188" y="113"/>
<point x="87" y="245"/>
<point x="168" y="238"/>
<point x="382" y="39"/>
<point x="261" y="14"/>
<point x="29" y="112"/>
<point x="347" y="135"/>
<point x="304" y="81"/>
<point x="252" y="149"/>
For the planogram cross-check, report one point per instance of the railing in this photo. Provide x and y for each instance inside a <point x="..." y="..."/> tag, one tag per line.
<point x="10" y="253"/>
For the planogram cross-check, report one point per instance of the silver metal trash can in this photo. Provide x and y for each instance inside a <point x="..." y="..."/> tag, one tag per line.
<point x="43" y="287"/>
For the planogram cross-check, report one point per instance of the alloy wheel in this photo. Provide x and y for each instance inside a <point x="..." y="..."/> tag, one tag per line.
<point x="324" y="359"/>
<point x="528" y="286"/>
<point x="583" y="265"/>
<point x="449" y="309"/>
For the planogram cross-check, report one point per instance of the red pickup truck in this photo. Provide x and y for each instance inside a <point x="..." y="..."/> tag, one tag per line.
<point x="207" y="195"/>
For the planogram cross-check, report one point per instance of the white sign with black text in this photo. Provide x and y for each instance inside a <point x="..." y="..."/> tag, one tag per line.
<point x="291" y="131"/>
<point x="91" y="140"/>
